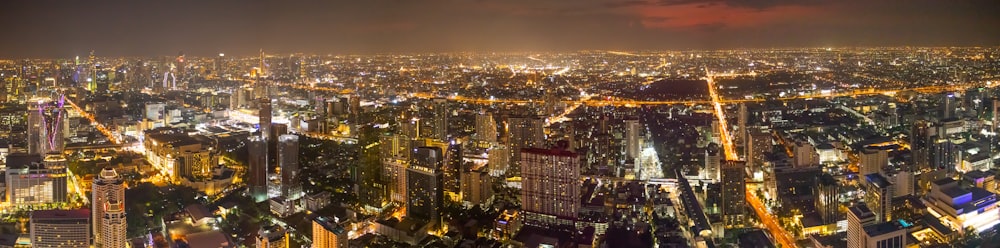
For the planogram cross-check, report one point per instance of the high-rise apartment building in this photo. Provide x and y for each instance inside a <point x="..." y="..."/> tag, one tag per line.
<point x="441" y="114"/>
<point x="864" y="231"/>
<point x="523" y="132"/>
<point x="734" y="204"/>
<point x="424" y="180"/>
<point x="327" y="233"/>
<point x="878" y="196"/>
<point x="858" y="217"/>
<point x="108" y="192"/>
<point x="113" y="226"/>
<point x="550" y="186"/>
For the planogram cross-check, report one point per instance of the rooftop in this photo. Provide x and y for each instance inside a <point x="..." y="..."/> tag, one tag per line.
<point x="878" y="180"/>
<point x="883" y="228"/>
<point x="862" y="211"/>
<point x="60" y="214"/>
<point x="551" y="152"/>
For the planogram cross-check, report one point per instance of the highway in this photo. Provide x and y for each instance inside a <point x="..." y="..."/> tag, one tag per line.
<point x="777" y="232"/>
<point x="100" y="127"/>
<point x="727" y="143"/>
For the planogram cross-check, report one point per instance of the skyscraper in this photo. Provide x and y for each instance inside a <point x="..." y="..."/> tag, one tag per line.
<point x="441" y="119"/>
<point x="878" y="196"/>
<point x="864" y="231"/>
<point x="734" y="193"/>
<point x="257" y="171"/>
<point x="523" y="132"/>
<point x="33" y="180"/>
<point x="60" y="228"/>
<point x="486" y="128"/>
<point x="741" y="131"/>
<point x="113" y="226"/>
<point x="858" y="217"/>
<point x="45" y="125"/>
<point x="108" y="192"/>
<point x="264" y="118"/>
<point x="827" y="193"/>
<point x="550" y="186"/>
<point x="633" y="137"/>
<point x="288" y="161"/>
<point x="424" y="178"/>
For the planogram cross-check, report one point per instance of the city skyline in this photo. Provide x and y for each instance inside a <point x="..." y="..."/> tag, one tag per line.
<point x="128" y="28"/>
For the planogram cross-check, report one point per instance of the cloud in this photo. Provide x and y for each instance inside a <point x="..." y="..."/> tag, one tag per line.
<point x="712" y="16"/>
<point x="630" y="3"/>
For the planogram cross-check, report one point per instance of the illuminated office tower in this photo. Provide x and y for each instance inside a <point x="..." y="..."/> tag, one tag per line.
<point x="441" y="118"/>
<point x="550" y="186"/>
<point x="878" y="196"/>
<point x="424" y="177"/>
<point x="32" y="180"/>
<point x="827" y="198"/>
<point x="264" y="118"/>
<point x="107" y="188"/>
<point x="734" y="205"/>
<point x="288" y="161"/>
<point x="46" y="124"/>
<point x="113" y="226"/>
<point x="60" y="228"/>
<point x="257" y="171"/>
<point x="633" y="138"/>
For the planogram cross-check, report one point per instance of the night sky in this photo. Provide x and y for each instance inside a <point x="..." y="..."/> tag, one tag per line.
<point x="54" y="29"/>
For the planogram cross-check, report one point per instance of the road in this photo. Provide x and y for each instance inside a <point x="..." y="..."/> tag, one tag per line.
<point x="727" y="143"/>
<point x="100" y="127"/>
<point x="777" y="232"/>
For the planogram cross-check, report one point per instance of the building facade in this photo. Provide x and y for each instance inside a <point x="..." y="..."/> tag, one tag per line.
<point x="550" y="186"/>
<point x="60" y="228"/>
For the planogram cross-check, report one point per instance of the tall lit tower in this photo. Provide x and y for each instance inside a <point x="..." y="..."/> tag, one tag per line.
<point x="550" y="186"/>
<point x="45" y="126"/>
<point x="262" y="65"/>
<point x="424" y="178"/>
<point x="633" y="134"/>
<point x="108" y="192"/>
<point x="288" y="161"/>
<point x="113" y="226"/>
<point x="257" y="171"/>
<point x="523" y="132"/>
<point x="264" y="118"/>
<point x="734" y="193"/>
<point x="486" y="128"/>
<point x="741" y="135"/>
<point x="440" y="119"/>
